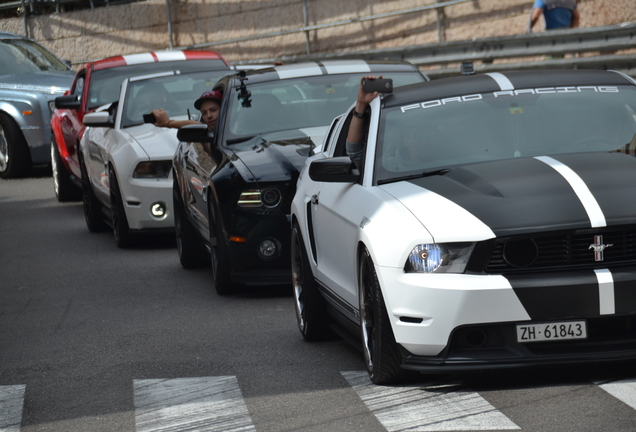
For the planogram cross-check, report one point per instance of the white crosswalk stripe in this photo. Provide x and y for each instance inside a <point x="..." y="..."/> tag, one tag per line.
<point x="215" y="404"/>
<point x="428" y="408"/>
<point x="11" y="403"/>
<point x="624" y="390"/>
<point x="206" y="404"/>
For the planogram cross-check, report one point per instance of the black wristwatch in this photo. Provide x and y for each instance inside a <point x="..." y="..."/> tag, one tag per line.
<point x="359" y="115"/>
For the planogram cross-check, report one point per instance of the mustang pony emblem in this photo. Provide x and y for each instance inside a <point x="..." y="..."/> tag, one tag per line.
<point x="599" y="247"/>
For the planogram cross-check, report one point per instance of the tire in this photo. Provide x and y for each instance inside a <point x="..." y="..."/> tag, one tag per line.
<point x="15" y="159"/>
<point x="92" y="208"/>
<point x="65" y="189"/>
<point x="310" y="305"/>
<point x="192" y="253"/>
<point x="219" y="257"/>
<point x="381" y="353"/>
<point x="119" y="223"/>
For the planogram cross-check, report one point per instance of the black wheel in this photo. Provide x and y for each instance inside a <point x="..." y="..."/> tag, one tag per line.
<point x="65" y="189"/>
<point x="310" y="305"/>
<point x="119" y="223"/>
<point x="192" y="253"/>
<point x="381" y="353"/>
<point x="92" y="208"/>
<point x="15" y="159"/>
<point x="219" y="257"/>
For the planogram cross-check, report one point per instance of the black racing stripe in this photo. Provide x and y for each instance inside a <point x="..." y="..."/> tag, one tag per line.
<point x="559" y="296"/>
<point x="624" y="290"/>
<point x="513" y="196"/>
<point x="611" y="177"/>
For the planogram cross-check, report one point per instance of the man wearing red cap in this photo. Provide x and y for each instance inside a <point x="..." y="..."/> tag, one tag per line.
<point x="209" y="104"/>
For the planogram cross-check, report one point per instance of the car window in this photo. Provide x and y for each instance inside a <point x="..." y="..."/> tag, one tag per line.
<point x="485" y="127"/>
<point x="175" y="94"/>
<point x="105" y="83"/>
<point x="18" y="56"/>
<point x="299" y="103"/>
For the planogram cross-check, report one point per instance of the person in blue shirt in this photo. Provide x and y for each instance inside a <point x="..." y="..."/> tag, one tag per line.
<point x="558" y="14"/>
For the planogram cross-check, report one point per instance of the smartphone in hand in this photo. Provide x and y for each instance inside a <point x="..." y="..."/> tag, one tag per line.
<point x="150" y="118"/>
<point x="380" y="85"/>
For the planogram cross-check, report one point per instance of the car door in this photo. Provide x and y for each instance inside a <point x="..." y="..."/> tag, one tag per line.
<point x="71" y="123"/>
<point x="198" y="165"/>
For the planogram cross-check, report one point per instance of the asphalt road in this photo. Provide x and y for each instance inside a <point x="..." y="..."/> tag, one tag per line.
<point x="95" y="338"/>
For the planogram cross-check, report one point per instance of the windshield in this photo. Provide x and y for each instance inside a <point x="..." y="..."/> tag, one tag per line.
<point x="174" y="93"/>
<point x="19" y="56"/>
<point x="105" y="83"/>
<point x="430" y="135"/>
<point x="300" y="103"/>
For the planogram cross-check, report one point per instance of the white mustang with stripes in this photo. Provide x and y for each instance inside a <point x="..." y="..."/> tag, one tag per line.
<point x="493" y="225"/>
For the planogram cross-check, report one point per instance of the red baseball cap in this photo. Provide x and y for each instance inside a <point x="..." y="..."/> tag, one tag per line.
<point x="208" y="95"/>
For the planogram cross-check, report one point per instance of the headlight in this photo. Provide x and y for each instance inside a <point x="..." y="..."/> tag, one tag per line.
<point x="439" y="258"/>
<point x="254" y="198"/>
<point x="153" y="169"/>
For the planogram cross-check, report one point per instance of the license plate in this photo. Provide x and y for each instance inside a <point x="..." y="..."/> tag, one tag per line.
<point x="551" y="331"/>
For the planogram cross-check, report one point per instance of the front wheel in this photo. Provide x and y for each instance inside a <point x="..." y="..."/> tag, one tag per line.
<point x="192" y="253"/>
<point x="92" y="208"/>
<point x="119" y="222"/>
<point x="65" y="189"/>
<point x="381" y="353"/>
<point x="15" y="159"/>
<point x="219" y="257"/>
<point x="310" y="305"/>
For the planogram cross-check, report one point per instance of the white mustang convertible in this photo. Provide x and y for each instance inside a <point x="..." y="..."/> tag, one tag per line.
<point x="492" y="224"/>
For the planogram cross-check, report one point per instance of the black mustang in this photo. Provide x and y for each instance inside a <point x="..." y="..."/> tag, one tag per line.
<point x="233" y="187"/>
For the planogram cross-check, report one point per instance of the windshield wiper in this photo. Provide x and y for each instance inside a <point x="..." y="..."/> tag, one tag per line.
<point x="415" y="176"/>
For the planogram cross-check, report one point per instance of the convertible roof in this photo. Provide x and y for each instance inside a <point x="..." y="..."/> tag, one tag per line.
<point x="298" y="70"/>
<point x="156" y="57"/>
<point x="493" y="82"/>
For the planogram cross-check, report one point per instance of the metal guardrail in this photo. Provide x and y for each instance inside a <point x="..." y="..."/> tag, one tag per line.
<point x="585" y="45"/>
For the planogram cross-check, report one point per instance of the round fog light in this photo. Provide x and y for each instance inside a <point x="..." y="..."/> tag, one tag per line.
<point x="158" y="210"/>
<point x="268" y="248"/>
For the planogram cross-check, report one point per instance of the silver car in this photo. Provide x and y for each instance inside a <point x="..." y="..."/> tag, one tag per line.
<point x="31" y="77"/>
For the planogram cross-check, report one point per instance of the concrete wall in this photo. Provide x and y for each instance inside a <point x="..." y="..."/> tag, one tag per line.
<point x="142" y="26"/>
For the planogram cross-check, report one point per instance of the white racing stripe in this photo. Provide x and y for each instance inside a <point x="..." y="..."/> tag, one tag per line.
<point x="422" y="408"/>
<point x="138" y="58"/>
<point x="170" y="55"/>
<point x="206" y="404"/>
<point x="295" y="71"/>
<point x="624" y="390"/>
<point x="346" y="66"/>
<point x="502" y="80"/>
<point x="11" y="403"/>
<point x="594" y="212"/>
<point x="605" y="291"/>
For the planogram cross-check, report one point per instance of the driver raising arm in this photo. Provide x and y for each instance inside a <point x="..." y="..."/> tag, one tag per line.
<point x="355" y="137"/>
<point x="209" y="104"/>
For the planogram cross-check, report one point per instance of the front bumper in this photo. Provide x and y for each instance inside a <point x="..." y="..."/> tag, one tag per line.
<point x="139" y="195"/>
<point x="466" y="322"/>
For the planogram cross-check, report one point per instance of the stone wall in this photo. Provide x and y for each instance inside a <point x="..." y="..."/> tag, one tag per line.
<point x="142" y="26"/>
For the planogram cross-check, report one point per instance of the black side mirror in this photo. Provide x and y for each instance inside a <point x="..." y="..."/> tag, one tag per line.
<point x="333" y="170"/>
<point x="195" y="133"/>
<point x="68" y="102"/>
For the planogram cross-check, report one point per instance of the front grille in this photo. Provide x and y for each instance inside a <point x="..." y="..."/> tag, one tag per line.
<point x="564" y="250"/>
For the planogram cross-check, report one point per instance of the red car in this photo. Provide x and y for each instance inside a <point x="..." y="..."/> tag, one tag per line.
<point x="97" y="83"/>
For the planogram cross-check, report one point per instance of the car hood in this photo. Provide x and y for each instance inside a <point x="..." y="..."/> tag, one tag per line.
<point x="277" y="156"/>
<point x="523" y="195"/>
<point x="42" y="82"/>
<point x="158" y="143"/>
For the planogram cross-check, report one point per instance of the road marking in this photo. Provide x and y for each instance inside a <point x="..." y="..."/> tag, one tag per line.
<point x="416" y="408"/>
<point x="206" y="404"/>
<point x="11" y="403"/>
<point x="623" y="390"/>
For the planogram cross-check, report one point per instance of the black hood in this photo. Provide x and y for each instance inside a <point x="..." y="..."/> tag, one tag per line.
<point x="277" y="156"/>
<point x="527" y="195"/>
